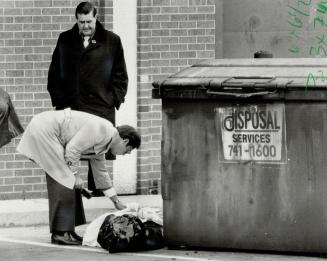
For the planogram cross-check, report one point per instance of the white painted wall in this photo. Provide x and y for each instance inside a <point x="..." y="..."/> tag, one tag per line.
<point x="124" y="24"/>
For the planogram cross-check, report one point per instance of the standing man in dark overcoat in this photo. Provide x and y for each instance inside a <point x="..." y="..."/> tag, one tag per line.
<point x="88" y="73"/>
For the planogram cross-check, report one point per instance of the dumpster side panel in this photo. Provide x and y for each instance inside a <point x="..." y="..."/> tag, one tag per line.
<point x="188" y="159"/>
<point x="243" y="205"/>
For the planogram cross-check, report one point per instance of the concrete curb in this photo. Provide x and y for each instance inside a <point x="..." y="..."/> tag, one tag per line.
<point x="33" y="212"/>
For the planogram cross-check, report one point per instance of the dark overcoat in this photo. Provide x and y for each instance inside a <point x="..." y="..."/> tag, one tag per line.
<point x="92" y="79"/>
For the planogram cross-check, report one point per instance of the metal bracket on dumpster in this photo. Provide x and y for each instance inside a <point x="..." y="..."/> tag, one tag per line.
<point x="179" y="87"/>
<point x="245" y="87"/>
<point x="242" y="95"/>
<point x="158" y="90"/>
<point x="244" y="82"/>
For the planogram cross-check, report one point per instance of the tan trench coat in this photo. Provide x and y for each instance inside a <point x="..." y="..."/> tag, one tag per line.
<point x="57" y="140"/>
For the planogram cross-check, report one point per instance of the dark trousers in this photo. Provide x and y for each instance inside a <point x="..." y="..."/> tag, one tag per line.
<point x="66" y="208"/>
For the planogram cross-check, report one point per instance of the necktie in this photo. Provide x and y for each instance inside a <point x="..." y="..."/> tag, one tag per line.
<point x="86" y="41"/>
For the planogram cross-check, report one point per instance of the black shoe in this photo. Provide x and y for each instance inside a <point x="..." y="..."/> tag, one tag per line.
<point x="76" y="237"/>
<point x="64" y="239"/>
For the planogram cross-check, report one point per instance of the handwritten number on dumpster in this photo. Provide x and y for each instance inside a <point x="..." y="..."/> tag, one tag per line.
<point x="298" y="14"/>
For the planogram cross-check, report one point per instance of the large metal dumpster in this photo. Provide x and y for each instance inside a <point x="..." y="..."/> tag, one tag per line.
<point x="244" y="155"/>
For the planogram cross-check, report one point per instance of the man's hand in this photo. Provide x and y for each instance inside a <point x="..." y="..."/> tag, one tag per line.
<point x="79" y="183"/>
<point x="119" y="205"/>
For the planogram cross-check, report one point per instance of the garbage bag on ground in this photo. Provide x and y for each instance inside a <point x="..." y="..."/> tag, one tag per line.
<point x="122" y="233"/>
<point x="152" y="224"/>
<point x="153" y="236"/>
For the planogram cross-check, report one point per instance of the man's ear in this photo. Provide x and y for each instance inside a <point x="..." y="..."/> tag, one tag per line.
<point x="125" y="141"/>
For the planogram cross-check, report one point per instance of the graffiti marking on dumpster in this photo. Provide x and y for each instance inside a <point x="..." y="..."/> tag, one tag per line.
<point x="298" y="13"/>
<point x="315" y="79"/>
<point x="319" y="47"/>
<point x="254" y="132"/>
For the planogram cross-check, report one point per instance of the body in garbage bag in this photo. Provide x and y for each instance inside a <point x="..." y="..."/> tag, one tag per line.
<point x="127" y="233"/>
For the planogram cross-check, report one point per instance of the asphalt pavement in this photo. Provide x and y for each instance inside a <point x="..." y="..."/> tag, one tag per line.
<point x="24" y="236"/>
<point x="32" y="243"/>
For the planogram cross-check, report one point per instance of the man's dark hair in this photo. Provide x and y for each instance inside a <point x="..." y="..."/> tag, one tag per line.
<point x="85" y="8"/>
<point x="128" y="132"/>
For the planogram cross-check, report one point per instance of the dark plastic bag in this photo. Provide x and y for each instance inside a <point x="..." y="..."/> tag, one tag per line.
<point x="153" y="238"/>
<point x="121" y="233"/>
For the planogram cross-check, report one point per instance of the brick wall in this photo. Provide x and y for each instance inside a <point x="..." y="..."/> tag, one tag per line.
<point x="172" y="35"/>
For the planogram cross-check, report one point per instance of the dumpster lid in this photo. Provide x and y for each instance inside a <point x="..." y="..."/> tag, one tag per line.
<point x="295" y="72"/>
<point x="243" y="75"/>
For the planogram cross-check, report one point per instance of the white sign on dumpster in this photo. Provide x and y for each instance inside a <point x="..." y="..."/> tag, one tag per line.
<point x="253" y="132"/>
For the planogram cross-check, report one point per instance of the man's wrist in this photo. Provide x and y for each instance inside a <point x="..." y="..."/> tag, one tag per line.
<point x="115" y="200"/>
<point x="110" y="193"/>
